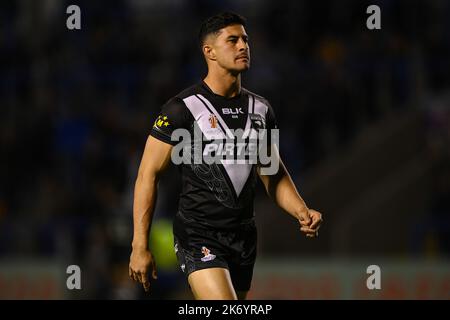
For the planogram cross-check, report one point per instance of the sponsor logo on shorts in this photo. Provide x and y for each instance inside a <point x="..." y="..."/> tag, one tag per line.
<point x="207" y="255"/>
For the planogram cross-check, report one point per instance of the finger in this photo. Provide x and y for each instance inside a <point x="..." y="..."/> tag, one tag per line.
<point x="134" y="276"/>
<point x="307" y="230"/>
<point x="137" y="277"/>
<point x="144" y="277"/>
<point x="304" y="219"/>
<point x="312" y="235"/>
<point x="130" y="272"/>
<point x="141" y="278"/>
<point x="304" y="223"/>
<point x="145" y="282"/>
<point x="316" y="223"/>
<point x="146" y="286"/>
<point x="154" y="275"/>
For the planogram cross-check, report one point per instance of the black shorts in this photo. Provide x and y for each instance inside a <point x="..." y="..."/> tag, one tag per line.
<point x="199" y="247"/>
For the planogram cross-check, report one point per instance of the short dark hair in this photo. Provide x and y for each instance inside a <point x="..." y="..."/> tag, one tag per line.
<point x="219" y="21"/>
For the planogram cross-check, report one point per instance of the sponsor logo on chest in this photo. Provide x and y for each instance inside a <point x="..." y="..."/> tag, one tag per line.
<point x="234" y="112"/>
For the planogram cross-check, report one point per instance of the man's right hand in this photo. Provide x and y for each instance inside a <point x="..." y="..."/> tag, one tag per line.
<point x="141" y="263"/>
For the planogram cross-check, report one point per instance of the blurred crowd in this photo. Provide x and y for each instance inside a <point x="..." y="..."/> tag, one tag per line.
<point x="76" y="106"/>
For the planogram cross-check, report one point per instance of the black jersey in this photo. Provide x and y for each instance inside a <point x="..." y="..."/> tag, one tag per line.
<point x="219" y="194"/>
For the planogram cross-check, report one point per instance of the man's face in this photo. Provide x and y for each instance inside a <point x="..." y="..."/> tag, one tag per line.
<point x="230" y="48"/>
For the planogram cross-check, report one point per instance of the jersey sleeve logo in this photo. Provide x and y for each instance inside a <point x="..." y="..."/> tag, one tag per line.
<point x="161" y="121"/>
<point x="257" y="121"/>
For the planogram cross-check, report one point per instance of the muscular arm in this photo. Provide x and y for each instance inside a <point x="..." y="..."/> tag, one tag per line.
<point x="154" y="160"/>
<point x="282" y="190"/>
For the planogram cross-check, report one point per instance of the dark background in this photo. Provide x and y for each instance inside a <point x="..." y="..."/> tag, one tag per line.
<point x="364" y="126"/>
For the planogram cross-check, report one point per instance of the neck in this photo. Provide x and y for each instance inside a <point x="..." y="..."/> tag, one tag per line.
<point x="224" y="83"/>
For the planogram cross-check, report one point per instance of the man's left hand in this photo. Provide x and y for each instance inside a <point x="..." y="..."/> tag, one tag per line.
<point x="310" y="222"/>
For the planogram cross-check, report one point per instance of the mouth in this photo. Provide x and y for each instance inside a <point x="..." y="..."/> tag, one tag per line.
<point x="243" y="58"/>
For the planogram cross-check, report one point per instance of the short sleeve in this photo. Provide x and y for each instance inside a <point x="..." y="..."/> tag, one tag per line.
<point x="174" y="115"/>
<point x="271" y="121"/>
<point x="270" y="124"/>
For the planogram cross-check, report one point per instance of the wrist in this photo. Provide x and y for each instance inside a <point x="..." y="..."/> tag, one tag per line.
<point x="139" y="246"/>
<point x="301" y="211"/>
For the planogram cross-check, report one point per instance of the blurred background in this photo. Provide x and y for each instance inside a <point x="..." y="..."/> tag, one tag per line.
<point x="364" y="119"/>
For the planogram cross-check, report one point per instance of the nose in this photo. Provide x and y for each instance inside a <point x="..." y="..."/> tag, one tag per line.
<point x="242" y="45"/>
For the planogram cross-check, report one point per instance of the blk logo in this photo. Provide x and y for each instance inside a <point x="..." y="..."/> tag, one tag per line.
<point x="233" y="111"/>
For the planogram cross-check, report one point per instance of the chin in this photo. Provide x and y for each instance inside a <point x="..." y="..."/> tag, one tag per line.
<point x="242" y="68"/>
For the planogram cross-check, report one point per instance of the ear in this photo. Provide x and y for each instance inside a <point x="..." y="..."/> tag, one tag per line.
<point x="209" y="52"/>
